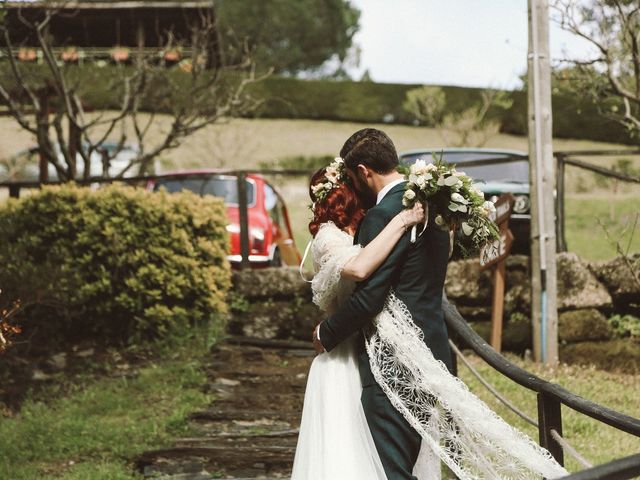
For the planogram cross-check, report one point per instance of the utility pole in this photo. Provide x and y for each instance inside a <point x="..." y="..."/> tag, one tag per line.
<point x="542" y="181"/>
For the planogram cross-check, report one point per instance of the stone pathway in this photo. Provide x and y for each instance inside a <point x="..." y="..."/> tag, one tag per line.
<point x="251" y="429"/>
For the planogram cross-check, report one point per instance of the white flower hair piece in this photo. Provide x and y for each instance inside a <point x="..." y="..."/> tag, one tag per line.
<point x="334" y="175"/>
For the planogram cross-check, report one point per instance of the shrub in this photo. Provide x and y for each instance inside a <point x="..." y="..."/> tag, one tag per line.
<point x="119" y="263"/>
<point x="625" y="325"/>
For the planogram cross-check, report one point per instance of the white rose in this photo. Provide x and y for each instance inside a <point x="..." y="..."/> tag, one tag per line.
<point x="440" y="181"/>
<point x="451" y="180"/>
<point x="439" y="220"/>
<point x="489" y="206"/>
<point x="421" y="182"/>
<point x="431" y="167"/>
<point x="467" y="229"/>
<point x="419" y="166"/>
<point x="409" y="195"/>
<point x="456" y="197"/>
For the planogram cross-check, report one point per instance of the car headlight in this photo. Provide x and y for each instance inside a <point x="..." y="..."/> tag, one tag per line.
<point x="257" y="238"/>
<point x="522" y="204"/>
<point x="257" y="234"/>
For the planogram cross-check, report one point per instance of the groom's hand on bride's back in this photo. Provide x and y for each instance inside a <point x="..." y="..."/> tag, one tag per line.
<point x="317" y="345"/>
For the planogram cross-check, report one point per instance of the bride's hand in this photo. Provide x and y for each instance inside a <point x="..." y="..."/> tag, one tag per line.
<point x="413" y="216"/>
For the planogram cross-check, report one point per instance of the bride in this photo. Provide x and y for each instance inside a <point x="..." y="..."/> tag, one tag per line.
<point x="455" y="426"/>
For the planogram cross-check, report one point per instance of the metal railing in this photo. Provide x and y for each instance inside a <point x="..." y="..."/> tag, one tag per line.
<point x="550" y="398"/>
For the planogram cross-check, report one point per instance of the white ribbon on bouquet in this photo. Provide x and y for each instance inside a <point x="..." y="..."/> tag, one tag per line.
<point x="414" y="229"/>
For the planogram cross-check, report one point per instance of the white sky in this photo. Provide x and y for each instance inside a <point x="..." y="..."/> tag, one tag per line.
<point x="481" y="43"/>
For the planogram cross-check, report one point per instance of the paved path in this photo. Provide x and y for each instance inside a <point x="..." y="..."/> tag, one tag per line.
<point x="251" y="428"/>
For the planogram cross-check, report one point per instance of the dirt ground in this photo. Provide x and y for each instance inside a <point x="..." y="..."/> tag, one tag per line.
<point x="251" y="429"/>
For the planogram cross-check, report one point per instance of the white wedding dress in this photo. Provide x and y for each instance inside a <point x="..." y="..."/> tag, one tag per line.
<point x="334" y="442"/>
<point x="456" y="427"/>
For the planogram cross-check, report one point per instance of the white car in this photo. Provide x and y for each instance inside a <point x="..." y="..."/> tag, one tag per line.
<point x="25" y="165"/>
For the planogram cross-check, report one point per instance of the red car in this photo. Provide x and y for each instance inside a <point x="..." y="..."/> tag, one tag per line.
<point x="271" y="240"/>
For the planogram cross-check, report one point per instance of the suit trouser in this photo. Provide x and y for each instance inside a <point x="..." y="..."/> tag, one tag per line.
<point x="398" y="444"/>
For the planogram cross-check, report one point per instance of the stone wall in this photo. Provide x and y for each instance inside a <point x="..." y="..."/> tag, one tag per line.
<point x="276" y="303"/>
<point x="588" y="294"/>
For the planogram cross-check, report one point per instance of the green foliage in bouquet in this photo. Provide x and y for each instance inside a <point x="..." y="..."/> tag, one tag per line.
<point x="458" y="202"/>
<point x="117" y="263"/>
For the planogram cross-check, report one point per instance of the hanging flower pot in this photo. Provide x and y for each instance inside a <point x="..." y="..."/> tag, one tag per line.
<point x="27" y="54"/>
<point x="69" y="54"/>
<point x="173" y="54"/>
<point x="120" y="54"/>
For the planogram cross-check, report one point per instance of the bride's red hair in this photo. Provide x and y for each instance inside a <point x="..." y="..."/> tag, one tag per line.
<point x="340" y="206"/>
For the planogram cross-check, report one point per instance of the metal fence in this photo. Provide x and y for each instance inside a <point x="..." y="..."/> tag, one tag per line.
<point x="550" y="398"/>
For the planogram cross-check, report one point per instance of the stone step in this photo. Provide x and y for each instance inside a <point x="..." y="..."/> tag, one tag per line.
<point x="232" y="459"/>
<point x="246" y="415"/>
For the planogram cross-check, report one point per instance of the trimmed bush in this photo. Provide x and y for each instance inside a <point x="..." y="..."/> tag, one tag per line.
<point x="119" y="263"/>
<point x="366" y="102"/>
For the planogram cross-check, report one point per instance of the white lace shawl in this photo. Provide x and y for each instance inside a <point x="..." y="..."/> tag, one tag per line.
<point x="330" y="250"/>
<point x="458" y="427"/>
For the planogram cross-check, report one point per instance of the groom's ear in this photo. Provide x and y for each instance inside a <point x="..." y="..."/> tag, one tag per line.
<point x="363" y="171"/>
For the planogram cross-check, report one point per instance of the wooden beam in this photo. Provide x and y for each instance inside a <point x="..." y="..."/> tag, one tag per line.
<point x="542" y="179"/>
<point x="111" y="5"/>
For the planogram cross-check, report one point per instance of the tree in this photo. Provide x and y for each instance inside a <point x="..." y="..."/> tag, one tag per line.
<point x="612" y="77"/>
<point x="49" y="99"/>
<point x="291" y="36"/>
<point x="471" y="127"/>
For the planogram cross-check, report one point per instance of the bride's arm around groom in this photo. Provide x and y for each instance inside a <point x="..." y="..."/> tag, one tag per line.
<point x="369" y="297"/>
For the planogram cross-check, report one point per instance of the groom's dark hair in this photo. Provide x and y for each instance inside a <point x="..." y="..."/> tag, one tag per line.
<point x="372" y="148"/>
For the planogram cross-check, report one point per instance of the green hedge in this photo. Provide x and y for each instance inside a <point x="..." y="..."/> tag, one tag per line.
<point x="366" y="102"/>
<point x="118" y="263"/>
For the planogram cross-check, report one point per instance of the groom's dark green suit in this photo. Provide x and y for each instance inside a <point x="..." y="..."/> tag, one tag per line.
<point x="416" y="272"/>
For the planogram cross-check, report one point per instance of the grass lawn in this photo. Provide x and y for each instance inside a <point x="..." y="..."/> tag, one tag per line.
<point x="93" y="431"/>
<point x="597" y="442"/>
<point x="587" y="217"/>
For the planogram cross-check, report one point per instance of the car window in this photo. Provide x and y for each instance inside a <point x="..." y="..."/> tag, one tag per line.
<point x="226" y="187"/>
<point x="511" y="171"/>
<point x="274" y="207"/>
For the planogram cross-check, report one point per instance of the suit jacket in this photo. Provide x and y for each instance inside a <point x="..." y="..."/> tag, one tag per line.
<point x="416" y="272"/>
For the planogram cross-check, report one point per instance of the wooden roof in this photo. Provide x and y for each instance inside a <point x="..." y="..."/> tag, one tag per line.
<point x="113" y="4"/>
<point x="104" y="24"/>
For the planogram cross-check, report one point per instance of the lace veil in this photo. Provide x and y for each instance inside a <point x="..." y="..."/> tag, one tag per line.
<point x="458" y="428"/>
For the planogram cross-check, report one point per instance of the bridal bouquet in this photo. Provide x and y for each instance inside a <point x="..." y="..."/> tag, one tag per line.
<point x="458" y="203"/>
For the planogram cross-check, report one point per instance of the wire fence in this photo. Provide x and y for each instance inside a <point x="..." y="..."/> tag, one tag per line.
<point x="550" y="398"/>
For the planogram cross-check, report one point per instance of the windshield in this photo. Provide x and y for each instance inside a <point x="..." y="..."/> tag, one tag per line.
<point x="225" y="187"/>
<point x="508" y="171"/>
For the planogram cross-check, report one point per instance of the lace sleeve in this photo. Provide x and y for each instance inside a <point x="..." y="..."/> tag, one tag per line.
<point x="331" y="250"/>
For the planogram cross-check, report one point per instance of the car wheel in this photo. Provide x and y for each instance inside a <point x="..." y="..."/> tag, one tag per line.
<point x="276" y="260"/>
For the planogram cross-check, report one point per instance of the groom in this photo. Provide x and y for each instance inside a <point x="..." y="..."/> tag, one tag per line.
<point x="416" y="272"/>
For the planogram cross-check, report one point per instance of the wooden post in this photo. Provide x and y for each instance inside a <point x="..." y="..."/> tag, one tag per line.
<point x="561" y="243"/>
<point x="496" y="254"/>
<point x="43" y="120"/>
<point x="244" y="219"/>
<point x="497" y="308"/>
<point x="14" y="191"/>
<point x="550" y="417"/>
<point x="542" y="184"/>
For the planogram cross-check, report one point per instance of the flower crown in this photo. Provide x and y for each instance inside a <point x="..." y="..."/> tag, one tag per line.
<point x="333" y="176"/>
